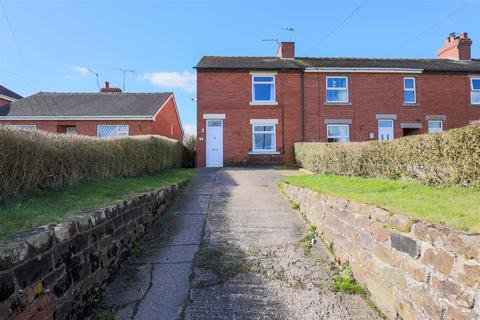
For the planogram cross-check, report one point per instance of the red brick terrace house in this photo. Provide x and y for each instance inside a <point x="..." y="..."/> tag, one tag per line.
<point x="253" y="109"/>
<point x="7" y="96"/>
<point x="106" y="113"/>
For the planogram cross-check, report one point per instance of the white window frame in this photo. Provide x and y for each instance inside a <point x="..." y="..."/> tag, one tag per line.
<point x="274" y="140"/>
<point x="414" y="90"/>
<point x="339" y="125"/>
<point x="441" y="126"/>
<point x="114" y="125"/>
<point x="336" y="89"/>
<point x="254" y="101"/>
<point x="29" y="127"/>
<point x="474" y="90"/>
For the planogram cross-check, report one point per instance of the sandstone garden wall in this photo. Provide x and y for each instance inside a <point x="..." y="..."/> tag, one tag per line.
<point x="55" y="271"/>
<point x="412" y="269"/>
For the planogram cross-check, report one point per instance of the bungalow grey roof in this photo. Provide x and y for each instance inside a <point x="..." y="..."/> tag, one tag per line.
<point x="299" y="63"/>
<point x="9" y="93"/>
<point x="86" y="104"/>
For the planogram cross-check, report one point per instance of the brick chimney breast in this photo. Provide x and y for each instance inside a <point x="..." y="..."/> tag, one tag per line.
<point x="286" y="50"/>
<point x="456" y="47"/>
<point x="107" y="88"/>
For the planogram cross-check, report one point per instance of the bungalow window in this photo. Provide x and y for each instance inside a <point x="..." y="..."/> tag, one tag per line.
<point x="435" y="126"/>
<point x="263" y="138"/>
<point x="337" y="89"/>
<point x="475" y="90"/>
<point x="409" y="93"/>
<point x="29" y="127"/>
<point x="263" y="88"/>
<point x="112" y="130"/>
<point x="338" y="133"/>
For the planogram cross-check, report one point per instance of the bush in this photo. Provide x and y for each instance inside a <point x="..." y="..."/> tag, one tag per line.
<point x="451" y="158"/>
<point x="34" y="160"/>
<point x="190" y="141"/>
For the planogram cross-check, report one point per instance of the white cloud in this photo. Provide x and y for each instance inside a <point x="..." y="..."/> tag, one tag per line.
<point x="80" y="70"/>
<point x="190" y="128"/>
<point x="175" y="80"/>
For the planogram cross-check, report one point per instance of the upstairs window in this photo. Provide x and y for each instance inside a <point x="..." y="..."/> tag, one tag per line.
<point x="337" y="89"/>
<point x="263" y="138"/>
<point x="435" y="126"/>
<point x="111" y="130"/>
<point x="263" y="88"/>
<point x="409" y="94"/>
<point x="475" y="90"/>
<point x="338" y="133"/>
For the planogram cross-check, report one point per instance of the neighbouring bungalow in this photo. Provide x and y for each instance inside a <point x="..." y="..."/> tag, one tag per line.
<point x="107" y="113"/>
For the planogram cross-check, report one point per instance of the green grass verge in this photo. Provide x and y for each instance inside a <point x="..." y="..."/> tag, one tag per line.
<point x="455" y="207"/>
<point x="52" y="206"/>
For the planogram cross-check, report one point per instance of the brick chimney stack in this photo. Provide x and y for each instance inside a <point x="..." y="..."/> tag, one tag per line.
<point x="456" y="47"/>
<point x="107" y="88"/>
<point x="286" y="50"/>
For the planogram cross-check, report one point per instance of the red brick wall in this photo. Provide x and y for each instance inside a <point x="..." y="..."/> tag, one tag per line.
<point x="166" y="124"/>
<point x="168" y="121"/>
<point x="229" y="93"/>
<point x="4" y="102"/>
<point x="88" y="128"/>
<point x="371" y="94"/>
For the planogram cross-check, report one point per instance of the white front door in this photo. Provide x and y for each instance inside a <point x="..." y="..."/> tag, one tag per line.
<point x="385" y="130"/>
<point x="214" y="143"/>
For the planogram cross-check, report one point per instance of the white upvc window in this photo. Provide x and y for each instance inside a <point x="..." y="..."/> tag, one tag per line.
<point x="435" y="126"/>
<point x="263" y="137"/>
<point x="29" y="127"/>
<point x="263" y="88"/>
<point x="409" y="90"/>
<point x="112" y="130"/>
<point x="475" y="90"/>
<point x="337" y="89"/>
<point x="338" y="133"/>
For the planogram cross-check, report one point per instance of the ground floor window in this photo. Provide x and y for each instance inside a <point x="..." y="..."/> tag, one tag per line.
<point x="263" y="137"/>
<point x="338" y="133"/>
<point x="30" y="127"/>
<point x="112" y="130"/>
<point x="435" y="126"/>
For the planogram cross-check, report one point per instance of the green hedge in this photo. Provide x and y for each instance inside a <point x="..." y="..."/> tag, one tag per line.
<point x="451" y="158"/>
<point x="34" y="160"/>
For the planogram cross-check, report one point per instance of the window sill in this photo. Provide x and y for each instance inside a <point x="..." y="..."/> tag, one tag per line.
<point x="337" y="103"/>
<point x="405" y="104"/>
<point x="475" y="105"/>
<point x="264" y="103"/>
<point x="263" y="152"/>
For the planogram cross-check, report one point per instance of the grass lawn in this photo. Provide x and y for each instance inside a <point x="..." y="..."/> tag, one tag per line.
<point x="454" y="207"/>
<point x="52" y="206"/>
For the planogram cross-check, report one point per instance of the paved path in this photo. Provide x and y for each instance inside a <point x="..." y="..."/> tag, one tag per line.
<point x="228" y="248"/>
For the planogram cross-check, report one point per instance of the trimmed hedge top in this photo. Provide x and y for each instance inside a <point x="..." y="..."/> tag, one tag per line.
<point x="35" y="160"/>
<point x="451" y="158"/>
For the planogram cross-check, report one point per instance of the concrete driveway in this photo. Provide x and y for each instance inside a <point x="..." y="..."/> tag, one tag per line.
<point x="228" y="248"/>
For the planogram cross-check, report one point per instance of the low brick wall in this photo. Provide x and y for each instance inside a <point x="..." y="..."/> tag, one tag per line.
<point x="412" y="269"/>
<point x="55" y="271"/>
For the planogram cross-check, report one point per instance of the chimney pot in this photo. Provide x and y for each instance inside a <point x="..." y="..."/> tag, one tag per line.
<point x="456" y="47"/>
<point x="107" y="88"/>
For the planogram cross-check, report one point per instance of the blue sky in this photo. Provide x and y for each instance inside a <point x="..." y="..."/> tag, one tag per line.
<point x="163" y="40"/>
